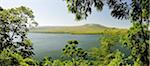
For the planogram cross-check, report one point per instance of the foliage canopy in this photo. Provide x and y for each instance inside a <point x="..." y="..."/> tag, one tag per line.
<point x="137" y="11"/>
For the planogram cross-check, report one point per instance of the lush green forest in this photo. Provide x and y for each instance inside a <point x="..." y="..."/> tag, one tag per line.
<point x="15" y="24"/>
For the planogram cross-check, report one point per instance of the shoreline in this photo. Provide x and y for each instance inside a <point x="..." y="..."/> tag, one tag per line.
<point x="68" y="33"/>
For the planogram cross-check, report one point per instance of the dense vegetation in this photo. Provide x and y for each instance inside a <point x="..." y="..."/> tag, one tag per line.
<point x="137" y="11"/>
<point x="16" y="48"/>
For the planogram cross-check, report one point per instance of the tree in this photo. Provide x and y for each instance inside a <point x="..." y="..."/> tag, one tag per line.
<point x="15" y="46"/>
<point x="71" y="50"/>
<point x="8" y="57"/>
<point x="137" y="11"/>
<point x="72" y="56"/>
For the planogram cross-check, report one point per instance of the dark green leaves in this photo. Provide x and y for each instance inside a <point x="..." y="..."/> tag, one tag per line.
<point x="71" y="50"/>
<point x="14" y="25"/>
<point x="82" y="8"/>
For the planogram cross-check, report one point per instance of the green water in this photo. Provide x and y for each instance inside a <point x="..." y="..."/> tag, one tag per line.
<point x="51" y="44"/>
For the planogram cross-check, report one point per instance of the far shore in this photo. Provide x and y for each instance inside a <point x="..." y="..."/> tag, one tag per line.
<point x="68" y="33"/>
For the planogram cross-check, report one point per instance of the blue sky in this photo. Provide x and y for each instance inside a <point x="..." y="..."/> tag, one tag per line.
<point x="54" y="13"/>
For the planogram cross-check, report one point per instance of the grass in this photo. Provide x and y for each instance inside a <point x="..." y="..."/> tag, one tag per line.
<point x="83" y="29"/>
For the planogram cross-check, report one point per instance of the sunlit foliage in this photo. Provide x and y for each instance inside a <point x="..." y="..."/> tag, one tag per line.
<point x="8" y="57"/>
<point x="137" y="11"/>
<point x="72" y="50"/>
<point x="16" y="48"/>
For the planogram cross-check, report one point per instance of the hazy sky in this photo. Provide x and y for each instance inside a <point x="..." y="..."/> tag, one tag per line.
<point x="54" y="13"/>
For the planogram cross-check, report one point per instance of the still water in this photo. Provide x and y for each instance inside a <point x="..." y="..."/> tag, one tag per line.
<point x="46" y="44"/>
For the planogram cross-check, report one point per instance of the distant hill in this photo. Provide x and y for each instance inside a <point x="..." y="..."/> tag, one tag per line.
<point x="83" y="29"/>
<point x="94" y="25"/>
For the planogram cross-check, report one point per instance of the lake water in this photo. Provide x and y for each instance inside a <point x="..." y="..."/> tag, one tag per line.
<point x="51" y="44"/>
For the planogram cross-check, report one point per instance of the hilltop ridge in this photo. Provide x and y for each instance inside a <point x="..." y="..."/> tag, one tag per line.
<point x="81" y="29"/>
